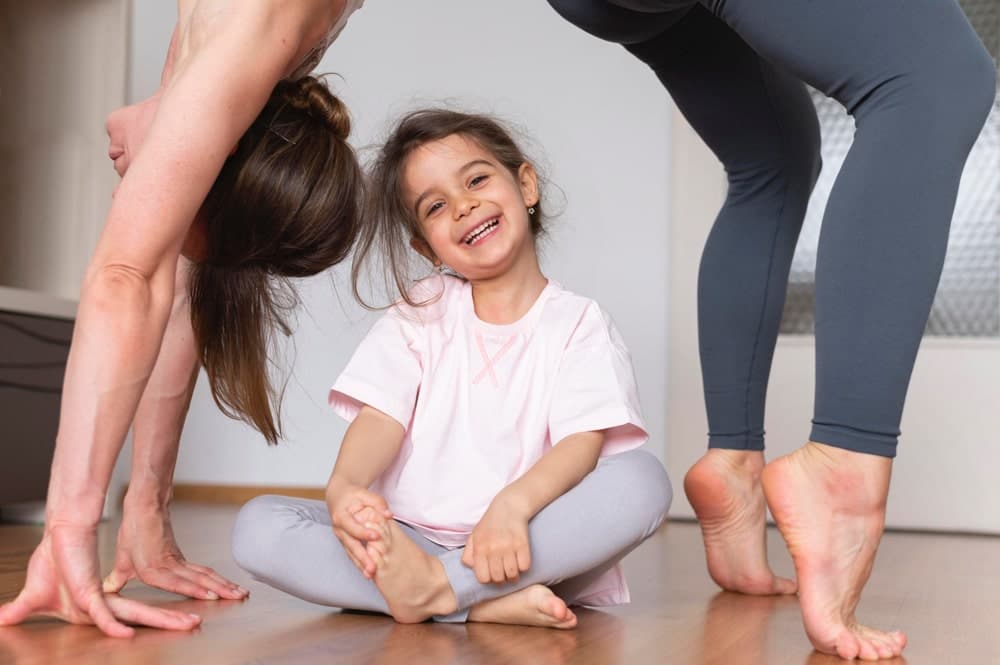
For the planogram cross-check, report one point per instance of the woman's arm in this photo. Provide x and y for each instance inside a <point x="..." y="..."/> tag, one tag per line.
<point x="160" y="416"/>
<point x="128" y="290"/>
<point x="146" y="546"/>
<point x="216" y="91"/>
<point x="498" y="548"/>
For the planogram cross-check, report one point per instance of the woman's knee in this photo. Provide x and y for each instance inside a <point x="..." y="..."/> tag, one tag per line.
<point x="964" y="87"/>
<point x="940" y="100"/>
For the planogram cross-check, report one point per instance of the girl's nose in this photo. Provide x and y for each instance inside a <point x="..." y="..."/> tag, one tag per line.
<point x="466" y="206"/>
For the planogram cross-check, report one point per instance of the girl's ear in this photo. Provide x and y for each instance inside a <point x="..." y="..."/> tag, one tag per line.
<point x="419" y="244"/>
<point x="528" y="179"/>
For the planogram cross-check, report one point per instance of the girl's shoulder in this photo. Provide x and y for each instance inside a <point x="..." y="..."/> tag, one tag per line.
<point x="589" y="322"/>
<point x="433" y="299"/>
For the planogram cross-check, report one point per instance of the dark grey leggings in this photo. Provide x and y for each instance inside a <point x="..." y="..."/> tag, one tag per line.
<point x="289" y="543"/>
<point x="919" y="84"/>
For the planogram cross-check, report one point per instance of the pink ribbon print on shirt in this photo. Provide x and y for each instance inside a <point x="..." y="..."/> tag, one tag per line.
<point x="488" y="366"/>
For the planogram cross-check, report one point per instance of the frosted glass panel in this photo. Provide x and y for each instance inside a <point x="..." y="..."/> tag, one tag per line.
<point x="968" y="298"/>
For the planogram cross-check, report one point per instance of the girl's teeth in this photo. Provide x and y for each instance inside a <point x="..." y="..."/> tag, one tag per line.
<point x="487" y="226"/>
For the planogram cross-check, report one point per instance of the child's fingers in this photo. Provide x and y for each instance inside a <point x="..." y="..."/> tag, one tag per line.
<point x="360" y="557"/>
<point x="375" y="501"/>
<point x="356" y="529"/>
<point x="497" y="574"/>
<point x="482" y="568"/>
<point x="523" y="556"/>
<point x="510" y="569"/>
<point x="355" y="550"/>
<point x="469" y="553"/>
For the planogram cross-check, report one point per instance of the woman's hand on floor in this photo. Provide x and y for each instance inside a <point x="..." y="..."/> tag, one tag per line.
<point x="498" y="548"/>
<point x="147" y="551"/>
<point x="63" y="581"/>
<point x="351" y="506"/>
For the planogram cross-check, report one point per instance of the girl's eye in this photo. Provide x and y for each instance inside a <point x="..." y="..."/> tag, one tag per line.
<point x="433" y="208"/>
<point x="477" y="180"/>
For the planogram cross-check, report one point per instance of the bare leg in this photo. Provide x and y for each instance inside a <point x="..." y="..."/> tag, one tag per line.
<point x="829" y="504"/>
<point x="724" y="489"/>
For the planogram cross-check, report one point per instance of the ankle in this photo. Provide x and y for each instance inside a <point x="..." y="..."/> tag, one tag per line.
<point x="860" y="476"/>
<point x="438" y="597"/>
<point x="740" y="461"/>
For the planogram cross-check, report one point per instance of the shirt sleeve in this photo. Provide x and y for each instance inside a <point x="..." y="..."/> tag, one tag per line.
<point x="596" y="389"/>
<point x="384" y="372"/>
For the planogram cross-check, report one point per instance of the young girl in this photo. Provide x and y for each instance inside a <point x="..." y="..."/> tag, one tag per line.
<point x="493" y="414"/>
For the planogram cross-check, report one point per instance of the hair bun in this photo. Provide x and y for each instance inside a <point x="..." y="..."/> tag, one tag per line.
<point x="312" y="95"/>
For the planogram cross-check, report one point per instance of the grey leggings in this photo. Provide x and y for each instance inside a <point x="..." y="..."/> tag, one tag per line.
<point x="919" y="84"/>
<point x="289" y="543"/>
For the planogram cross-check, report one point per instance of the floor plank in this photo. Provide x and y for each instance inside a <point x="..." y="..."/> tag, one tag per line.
<point x="943" y="589"/>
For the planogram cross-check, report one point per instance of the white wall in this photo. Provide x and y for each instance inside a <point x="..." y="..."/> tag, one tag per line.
<point x="601" y="120"/>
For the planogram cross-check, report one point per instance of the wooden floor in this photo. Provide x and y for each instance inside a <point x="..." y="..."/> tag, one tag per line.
<point x="944" y="590"/>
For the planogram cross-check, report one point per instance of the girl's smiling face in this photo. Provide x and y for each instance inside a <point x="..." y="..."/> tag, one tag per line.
<point x="471" y="210"/>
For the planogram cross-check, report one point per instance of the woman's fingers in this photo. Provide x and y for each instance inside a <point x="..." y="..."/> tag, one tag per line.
<point x="211" y="583"/>
<point x="16" y="610"/>
<point x="219" y="579"/>
<point x="97" y="609"/>
<point x="137" y="613"/>
<point x="116" y="581"/>
<point x="175" y="581"/>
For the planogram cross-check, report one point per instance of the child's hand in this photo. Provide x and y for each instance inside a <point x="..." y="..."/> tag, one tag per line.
<point x="351" y="507"/>
<point x="498" y="547"/>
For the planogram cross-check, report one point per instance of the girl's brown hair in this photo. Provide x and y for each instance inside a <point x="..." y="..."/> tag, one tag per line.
<point x="286" y="205"/>
<point x="390" y="224"/>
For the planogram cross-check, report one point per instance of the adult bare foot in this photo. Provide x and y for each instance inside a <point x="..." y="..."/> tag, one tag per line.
<point x="829" y="504"/>
<point x="412" y="582"/>
<point x="535" y="605"/>
<point x="724" y="490"/>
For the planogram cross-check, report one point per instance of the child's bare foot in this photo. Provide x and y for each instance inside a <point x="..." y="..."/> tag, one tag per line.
<point x="412" y="582"/>
<point x="829" y="504"/>
<point x="724" y="490"/>
<point x="535" y="605"/>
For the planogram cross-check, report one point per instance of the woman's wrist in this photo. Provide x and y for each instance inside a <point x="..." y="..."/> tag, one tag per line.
<point x="82" y="512"/>
<point x="145" y="504"/>
<point x="149" y="498"/>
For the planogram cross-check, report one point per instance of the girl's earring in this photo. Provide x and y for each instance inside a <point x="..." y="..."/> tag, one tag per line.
<point x="531" y="210"/>
<point x="441" y="268"/>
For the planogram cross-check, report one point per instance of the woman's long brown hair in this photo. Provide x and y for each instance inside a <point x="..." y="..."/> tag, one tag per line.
<point x="286" y="205"/>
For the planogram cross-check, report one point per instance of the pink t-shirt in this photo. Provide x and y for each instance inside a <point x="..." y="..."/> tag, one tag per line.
<point x="481" y="403"/>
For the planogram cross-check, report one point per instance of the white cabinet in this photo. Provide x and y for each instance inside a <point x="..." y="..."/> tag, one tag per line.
<point x="63" y="68"/>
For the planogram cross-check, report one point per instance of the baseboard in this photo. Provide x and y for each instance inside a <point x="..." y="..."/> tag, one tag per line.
<point x="239" y="494"/>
